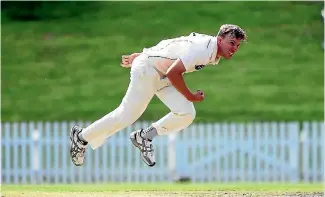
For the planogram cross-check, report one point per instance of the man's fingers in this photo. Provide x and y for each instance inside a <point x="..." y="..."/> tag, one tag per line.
<point x="125" y="65"/>
<point x="125" y="56"/>
<point x="125" y="60"/>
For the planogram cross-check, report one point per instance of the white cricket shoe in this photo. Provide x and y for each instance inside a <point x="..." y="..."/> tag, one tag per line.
<point x="145" y="146"/>
<point x="77" y="147"/>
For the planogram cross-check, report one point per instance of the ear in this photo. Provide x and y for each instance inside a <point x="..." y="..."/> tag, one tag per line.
<point x="219" y="39"/>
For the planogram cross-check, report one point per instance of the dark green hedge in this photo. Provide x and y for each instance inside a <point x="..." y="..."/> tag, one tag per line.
<point x="45" y="10"/>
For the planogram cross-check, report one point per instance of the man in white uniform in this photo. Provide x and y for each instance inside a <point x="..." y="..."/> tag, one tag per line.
<point x="159" y="71"/>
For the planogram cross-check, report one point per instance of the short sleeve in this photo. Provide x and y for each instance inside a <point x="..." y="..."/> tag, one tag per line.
<point x="195" y="56"/>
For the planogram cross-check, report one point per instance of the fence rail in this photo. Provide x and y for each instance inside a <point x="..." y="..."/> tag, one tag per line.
<point x="37" y="152"/>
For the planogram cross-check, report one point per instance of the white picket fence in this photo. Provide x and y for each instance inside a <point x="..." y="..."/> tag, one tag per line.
<point x="223" y="152"/>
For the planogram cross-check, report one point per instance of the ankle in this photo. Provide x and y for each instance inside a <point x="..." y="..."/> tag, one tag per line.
<point x="149" y="133"/>
<point x="80" y="137"/>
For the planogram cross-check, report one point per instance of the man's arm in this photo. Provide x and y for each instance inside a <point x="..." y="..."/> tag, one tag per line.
<point x="175" y="76"/>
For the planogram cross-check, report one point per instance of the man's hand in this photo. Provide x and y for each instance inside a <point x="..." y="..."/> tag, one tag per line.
<point x="128" y="59"/>
<point x="198" y="96"/>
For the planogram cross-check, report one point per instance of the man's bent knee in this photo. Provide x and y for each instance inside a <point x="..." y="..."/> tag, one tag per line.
<point x="191" y="113"/>
<point x="188" y="116"/>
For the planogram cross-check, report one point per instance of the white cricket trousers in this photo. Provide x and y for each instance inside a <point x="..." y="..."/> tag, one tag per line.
<point x="144" y="83"/>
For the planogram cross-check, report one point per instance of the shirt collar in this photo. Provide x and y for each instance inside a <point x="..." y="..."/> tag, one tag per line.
<point x="213" y="59"/>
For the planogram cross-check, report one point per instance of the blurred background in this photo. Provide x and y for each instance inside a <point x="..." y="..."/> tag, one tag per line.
<point x="261" y="120"/>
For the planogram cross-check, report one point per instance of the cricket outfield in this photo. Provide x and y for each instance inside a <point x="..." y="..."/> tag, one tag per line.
<point x="164" y="189"/>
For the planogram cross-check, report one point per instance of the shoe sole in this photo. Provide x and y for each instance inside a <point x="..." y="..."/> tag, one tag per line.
<point x="71" y="142"/>
<point x="134" y="142"/>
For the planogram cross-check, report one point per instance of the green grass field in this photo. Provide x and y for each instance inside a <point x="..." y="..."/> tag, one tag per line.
<point x="162" y="189"/>
<point x="68" y="68"/>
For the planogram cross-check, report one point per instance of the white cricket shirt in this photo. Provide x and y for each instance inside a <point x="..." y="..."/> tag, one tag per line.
<point x="195" y="51"/>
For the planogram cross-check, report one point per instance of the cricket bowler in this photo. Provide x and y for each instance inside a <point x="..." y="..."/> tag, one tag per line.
<point x="159" y="70"/>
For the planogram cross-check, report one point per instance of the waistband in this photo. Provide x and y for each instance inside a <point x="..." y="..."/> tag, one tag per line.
<point x="151" y="62"/>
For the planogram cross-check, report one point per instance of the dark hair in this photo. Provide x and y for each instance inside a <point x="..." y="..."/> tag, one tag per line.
<point x="234" y="30"/>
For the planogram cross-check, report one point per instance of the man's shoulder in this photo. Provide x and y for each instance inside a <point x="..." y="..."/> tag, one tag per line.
<point x="197" y="34"/>
<point x="191" y="37"/>
<point x="200" y="37"/>
<point x="201" y="41"/>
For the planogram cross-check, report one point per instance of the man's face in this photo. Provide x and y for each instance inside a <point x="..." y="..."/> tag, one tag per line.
<point x="228" y="46"/>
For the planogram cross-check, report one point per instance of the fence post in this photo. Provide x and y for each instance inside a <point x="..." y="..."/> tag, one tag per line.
<point x="172" y="155"/>
<point x="294" y="150"/>
<point x="181" y="157"/>
<point x="36" y="164"/>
